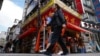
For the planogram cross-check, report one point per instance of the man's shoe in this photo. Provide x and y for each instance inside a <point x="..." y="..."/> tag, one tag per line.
<point x="60" y="52"/>
<point x="47" y="53"/>
<point x="64" y="54"/>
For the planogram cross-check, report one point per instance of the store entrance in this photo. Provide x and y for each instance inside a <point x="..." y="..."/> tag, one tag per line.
<point x="73" y="41"/>
<point x="71" y="33"/>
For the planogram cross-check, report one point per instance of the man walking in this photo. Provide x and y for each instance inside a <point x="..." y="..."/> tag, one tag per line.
<point x="57" y="23"/>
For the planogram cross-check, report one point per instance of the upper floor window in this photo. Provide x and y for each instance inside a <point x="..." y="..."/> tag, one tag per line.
<point x="67" y="2"/>
<point x="70" y="3"/>
<point x="87" y="3"/>
<point x="44" y="2"/>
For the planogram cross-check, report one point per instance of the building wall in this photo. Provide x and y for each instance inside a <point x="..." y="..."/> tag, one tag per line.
<point x="96" y="4"/>
<point x="2" y="42"/>
<point x="3" y="34"/>
<point x="90" y="18"/>
<point x="10" y="32"/>
<point x="28" y="7"/>
<point x="89" y="11"/>
<point x="3" y="38"/>
<point x="16" y="32"/>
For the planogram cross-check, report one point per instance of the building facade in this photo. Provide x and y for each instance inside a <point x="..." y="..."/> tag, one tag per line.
<point x="34" y="14"/>
<point x="89" y="22"/>
<point x="3" y="38"/>
<point x="96" y="4"/>
<point x="12" y="35"/>
<point x="3" y="34"/>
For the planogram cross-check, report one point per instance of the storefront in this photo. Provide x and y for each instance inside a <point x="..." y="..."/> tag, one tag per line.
<point x="32" y="37"/>
<point x="92" y="38"/>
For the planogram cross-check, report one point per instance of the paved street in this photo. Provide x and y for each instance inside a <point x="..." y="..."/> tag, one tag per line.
<point x="88" y="54"/>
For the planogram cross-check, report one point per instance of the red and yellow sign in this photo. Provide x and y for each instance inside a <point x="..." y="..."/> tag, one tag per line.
<point x="68" y="16"/>
<point x="79" y="7"/>
<point x="71" y="18"/>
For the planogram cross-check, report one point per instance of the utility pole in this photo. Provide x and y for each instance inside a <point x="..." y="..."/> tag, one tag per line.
<point x="40" y="22"/>
<point x="39" y="16"/>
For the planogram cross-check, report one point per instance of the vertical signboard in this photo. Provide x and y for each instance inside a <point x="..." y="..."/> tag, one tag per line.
<point x="79" y="7"/>
<point x="96" y="4"/>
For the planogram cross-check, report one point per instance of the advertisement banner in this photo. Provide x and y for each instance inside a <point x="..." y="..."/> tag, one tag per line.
<point x="79" y="7"/>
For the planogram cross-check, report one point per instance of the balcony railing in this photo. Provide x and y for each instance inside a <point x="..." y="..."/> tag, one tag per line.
<point x="89" y="9"/>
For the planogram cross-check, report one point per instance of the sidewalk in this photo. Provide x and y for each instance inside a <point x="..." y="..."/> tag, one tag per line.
<point x="24" y="54"/>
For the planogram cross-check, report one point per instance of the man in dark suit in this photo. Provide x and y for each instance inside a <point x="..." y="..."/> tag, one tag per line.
<point x="57" y="23"/>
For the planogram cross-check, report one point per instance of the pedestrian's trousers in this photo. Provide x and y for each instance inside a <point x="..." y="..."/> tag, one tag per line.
<point x="56" y="37"/>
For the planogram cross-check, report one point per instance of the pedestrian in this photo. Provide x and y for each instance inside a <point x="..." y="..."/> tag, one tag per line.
<point x="73" y="45"/>
<point x="81" y="46"/>
<point x="68" y="43"/>
<point x="48" y="20"/>
<point x="57" y="23"/>
<point x="8" y="45"/>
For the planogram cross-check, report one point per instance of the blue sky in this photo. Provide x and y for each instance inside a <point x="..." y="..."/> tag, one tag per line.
<point x="11" y="10"/>
<point x="20" y="3"/>
<point x="2" y="28"/>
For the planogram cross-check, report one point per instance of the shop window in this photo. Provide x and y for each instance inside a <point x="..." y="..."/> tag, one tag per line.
<point x="70" y="3"/>
<point x="67" y="2"/>
<point x="44" y="2"/>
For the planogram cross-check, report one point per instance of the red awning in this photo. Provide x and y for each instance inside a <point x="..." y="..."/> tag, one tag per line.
<point x="28" y="32"/>
<point x="76" y="28"/>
